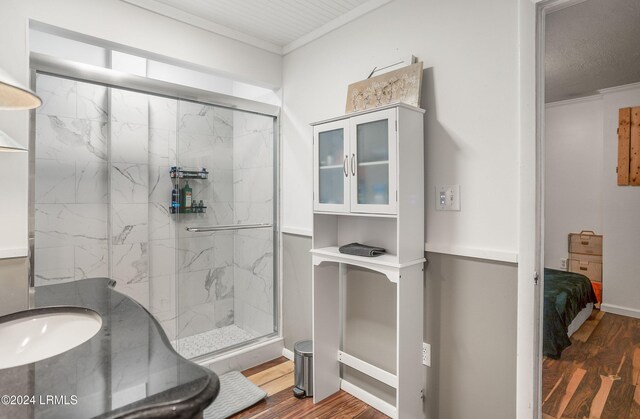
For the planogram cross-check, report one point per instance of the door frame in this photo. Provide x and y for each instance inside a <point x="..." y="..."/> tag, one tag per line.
<point x="531" y="241"/>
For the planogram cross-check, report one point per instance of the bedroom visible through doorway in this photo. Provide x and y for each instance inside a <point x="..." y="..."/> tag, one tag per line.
<point x="590" y="309"/>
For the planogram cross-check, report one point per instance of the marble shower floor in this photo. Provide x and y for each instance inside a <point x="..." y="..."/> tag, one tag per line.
<point x="210" y="341"/>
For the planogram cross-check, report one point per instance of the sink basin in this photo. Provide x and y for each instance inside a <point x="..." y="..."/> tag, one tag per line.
<point x="34" y="335"/>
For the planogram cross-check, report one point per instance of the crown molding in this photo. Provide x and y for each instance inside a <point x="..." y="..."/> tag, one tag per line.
<point x="334" y="24"/>
<point x="171" y="12"/>
<point x="193" y="20"/>
<point x="589" y="98"/>
<point x="622" y="88"/>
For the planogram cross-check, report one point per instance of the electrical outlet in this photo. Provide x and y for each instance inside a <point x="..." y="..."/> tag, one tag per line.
<point x="426" y="354"/>
<point x="563" y="263"/>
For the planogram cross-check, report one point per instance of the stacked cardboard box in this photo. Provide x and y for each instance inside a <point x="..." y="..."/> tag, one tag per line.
<point x="585" y="257"/>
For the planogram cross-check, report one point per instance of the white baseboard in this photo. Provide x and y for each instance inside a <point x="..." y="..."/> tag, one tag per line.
<point x="623" y="311"/>
<point x="287" y="354"/>
<point x="368" y="398"/>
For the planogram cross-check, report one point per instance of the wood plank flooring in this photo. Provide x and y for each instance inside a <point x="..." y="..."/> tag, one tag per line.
<point x="598" y="376"/>
<point x="276" y="378"/>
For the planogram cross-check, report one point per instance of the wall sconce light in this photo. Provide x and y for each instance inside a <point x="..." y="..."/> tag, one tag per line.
<point x="14" y="96"/>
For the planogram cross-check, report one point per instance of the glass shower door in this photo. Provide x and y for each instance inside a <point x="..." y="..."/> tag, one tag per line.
<point x="223" y="200"/>
<point x="112" y="169"/>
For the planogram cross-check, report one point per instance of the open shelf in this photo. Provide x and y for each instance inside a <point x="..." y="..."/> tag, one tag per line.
<point x="181" y="173"/>
<point x="387" y="264"/>
<point x="194" y="210"/>
<point x="373" y="163"/>
<point x="356" y="214"/>
<point x="332" y="231"/>
<point x="332" y="252"/>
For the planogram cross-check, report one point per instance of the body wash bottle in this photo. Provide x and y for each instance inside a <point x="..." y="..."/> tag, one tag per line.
<point x="175" y="199"/>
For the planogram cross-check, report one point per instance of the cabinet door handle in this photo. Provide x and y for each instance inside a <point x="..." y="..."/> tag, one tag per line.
<point x="345" y="165"/>
<point x="353" y="164"/>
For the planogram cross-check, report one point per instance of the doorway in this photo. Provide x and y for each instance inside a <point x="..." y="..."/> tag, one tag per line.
<point x="588" y="74"/>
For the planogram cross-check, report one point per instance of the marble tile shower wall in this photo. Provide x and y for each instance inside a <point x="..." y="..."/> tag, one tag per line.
<point x="161" y="224"/>
<point x="102" y="190"/>
<point x="205" y="260"/>
<point x="71" y="192"/>
<point x="102" y="203"/>
<point x="129" y="160"/>
<point x="253" y="203"/>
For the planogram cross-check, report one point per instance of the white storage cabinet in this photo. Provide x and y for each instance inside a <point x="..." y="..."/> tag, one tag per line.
<point x="369" y="188"/>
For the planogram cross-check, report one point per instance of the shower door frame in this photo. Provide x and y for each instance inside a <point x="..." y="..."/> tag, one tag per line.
<point x="67" y="69"/>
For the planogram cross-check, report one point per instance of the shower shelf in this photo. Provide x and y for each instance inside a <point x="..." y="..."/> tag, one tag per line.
<point x="180" y="173"/>
<point x="200" y="210"/>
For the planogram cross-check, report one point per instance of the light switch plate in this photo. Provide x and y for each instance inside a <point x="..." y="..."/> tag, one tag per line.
<point x="448" y="198"/>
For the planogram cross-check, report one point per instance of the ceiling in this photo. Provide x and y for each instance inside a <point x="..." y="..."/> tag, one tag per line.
<point x="591" y="45"/>
<point x="278" y="26"/>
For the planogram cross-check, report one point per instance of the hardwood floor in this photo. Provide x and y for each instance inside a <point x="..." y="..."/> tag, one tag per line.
<point x="598" y="376"/>
<point x="276" y="378"/>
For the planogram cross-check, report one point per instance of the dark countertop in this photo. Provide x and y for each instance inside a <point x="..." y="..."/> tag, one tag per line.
<point x="128" y="369"/>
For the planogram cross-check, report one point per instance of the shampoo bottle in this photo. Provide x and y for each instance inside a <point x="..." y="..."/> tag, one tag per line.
<point x="186" y="197"/>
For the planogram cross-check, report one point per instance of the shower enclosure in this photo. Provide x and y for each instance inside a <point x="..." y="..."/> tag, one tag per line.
<point x="105" y="162"/>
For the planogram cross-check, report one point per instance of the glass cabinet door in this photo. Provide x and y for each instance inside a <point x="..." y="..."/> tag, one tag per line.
<point x="373" y="162"/>
<point x="331" y="167"/>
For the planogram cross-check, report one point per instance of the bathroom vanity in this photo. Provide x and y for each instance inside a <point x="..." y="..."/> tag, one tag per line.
<point x="127" y="369"/>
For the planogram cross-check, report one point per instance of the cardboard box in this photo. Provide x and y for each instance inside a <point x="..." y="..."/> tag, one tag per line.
<point x="586" y="243"/>
<point x="587" y="265"/>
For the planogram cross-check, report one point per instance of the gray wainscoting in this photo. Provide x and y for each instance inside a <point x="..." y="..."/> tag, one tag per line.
<point x="470" y="322"/>
<point x="296" y="289"/>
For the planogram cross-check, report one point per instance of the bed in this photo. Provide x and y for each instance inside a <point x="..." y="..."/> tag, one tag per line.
<point x="568" y="302"/>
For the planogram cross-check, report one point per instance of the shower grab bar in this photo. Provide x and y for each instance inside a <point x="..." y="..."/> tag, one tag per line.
<point x="227" y="227"/>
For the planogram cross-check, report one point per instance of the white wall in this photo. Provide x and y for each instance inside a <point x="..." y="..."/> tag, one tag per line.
<point x="573" y="174"/>
<point x="581" y="192"/>
<point x="470" y="53"/>
<point x="46" y="43"/>
<point x="621" y="224"/>
<point x="121" y="23"/>
<point x="479" y="92"/>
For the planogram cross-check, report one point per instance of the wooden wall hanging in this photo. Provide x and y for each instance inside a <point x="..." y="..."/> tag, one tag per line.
<point x="401" y="85"/>
<point x="629" y="146"/>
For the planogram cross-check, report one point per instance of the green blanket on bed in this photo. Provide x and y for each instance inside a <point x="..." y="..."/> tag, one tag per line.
<point x="565" y="295"/>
